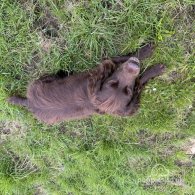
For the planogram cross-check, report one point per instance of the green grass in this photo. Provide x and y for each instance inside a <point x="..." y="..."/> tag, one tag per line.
<point x="144" y="154"/>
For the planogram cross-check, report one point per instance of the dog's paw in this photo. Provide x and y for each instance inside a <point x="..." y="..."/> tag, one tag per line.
<point x="146" y="51"/>
<point x="159" y="69"/>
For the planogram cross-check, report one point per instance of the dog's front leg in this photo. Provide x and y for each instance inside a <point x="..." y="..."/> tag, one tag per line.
<point x="144" y="52"/>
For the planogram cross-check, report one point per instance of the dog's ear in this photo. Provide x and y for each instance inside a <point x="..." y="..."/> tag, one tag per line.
<point x="107" y="67"/>
<point x="99" y="75"/>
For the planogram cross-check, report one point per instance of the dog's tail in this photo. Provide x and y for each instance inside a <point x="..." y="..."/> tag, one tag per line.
<point x="18" y="101"/>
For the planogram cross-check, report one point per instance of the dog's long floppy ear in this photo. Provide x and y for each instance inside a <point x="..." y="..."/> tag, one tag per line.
<point x="99" y="75"/>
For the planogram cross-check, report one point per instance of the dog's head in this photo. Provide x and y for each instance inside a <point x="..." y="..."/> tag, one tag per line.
<point x="116" y="91"/>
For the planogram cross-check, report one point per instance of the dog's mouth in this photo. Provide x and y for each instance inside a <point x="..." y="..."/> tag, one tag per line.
<point x="133" y="65"/>
<point x="134" y="60"/>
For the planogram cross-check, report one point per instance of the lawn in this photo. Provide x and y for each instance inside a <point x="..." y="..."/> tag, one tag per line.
<point x="149" y="153"/>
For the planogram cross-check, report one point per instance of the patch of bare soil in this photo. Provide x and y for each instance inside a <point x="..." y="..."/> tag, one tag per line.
<point x="39" y="190"/>
<point x="70" y="133"/>
<point x="189" y="147"/>
<point x="174" y="181"/>
<point x="47" y="27"/>
<point x="186" y="10"/>
<point x="11" y="129"/>
<point x="44" y="20"/>
<point x="184" y="21"/>
<point x="174" y="76"/>
<point x="161" y="183"/>
<point x="19" y="167"/>
<point x="117" y="4"/>
<point x="151" y="139"/>
<point x="45" y="43"/>
<point x="182" y="163"/>
<point x="34" y="62"/>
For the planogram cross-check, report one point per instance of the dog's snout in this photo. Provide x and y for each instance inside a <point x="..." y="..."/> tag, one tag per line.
<point x="134" y="60"/>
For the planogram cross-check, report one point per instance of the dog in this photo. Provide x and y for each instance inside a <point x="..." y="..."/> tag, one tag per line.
<point x="114" y="87"/>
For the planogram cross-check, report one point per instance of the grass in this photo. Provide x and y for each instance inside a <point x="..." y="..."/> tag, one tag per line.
<point x="144" y="154"/>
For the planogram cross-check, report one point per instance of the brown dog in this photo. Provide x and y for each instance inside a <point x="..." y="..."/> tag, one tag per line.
<point x="114" y="87"/>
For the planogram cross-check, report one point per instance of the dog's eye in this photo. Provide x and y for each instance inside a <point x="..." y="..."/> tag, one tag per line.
<point x="113" y="83"/>
<point x="127" y="91"/>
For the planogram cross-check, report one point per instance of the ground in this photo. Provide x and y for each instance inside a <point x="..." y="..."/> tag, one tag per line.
<point x="150" y="153"/>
